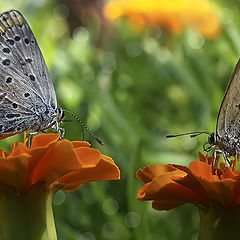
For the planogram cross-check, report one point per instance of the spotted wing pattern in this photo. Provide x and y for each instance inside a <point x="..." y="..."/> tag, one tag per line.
<point x="26" y="90"/>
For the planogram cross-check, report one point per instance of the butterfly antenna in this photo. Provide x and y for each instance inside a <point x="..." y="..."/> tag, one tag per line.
<point x="85" y="127"/>
<point x="192" y="134"/>
<point x="66" y="120"/>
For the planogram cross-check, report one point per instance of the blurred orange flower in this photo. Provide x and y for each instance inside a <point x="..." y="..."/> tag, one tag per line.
<point x="172" y="14"/>
<point x="59" y="164"/>
<point x="172" y="185"/>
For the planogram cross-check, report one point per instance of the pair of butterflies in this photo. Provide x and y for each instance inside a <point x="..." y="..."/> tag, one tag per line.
<point x="27" y="96"/>
<point x="28" y="100"/>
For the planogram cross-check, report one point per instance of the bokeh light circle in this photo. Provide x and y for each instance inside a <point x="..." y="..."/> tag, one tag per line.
<point x="132" y="219"/>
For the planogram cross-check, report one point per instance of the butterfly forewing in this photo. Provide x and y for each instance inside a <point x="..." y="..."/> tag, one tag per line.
<point x="26" y="50"/>
<point x="228" y="123"/>
<point x="26" y="91"/>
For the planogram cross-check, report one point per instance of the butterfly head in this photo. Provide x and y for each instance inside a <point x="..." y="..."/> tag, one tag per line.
<point x="211" y="143"/>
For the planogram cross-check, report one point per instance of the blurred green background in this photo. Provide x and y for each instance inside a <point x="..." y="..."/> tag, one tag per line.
<point x="131" y="85"/>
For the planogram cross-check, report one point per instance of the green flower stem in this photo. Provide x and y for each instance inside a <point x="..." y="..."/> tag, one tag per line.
<point x="51" y="230"/>
<point x="26" y="215"/>
<point x="217" y="222"/>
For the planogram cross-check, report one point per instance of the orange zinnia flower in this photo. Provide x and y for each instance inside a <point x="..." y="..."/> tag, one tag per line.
<point x="214" y="190"/>
<point x="30" y="176"/>
<point x="172" y="185"/>
<point x="61" y="163"/>
<point x="173" y="14"/>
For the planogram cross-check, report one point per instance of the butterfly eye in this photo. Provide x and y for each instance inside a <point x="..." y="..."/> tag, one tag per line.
<point x="212" y="139"/>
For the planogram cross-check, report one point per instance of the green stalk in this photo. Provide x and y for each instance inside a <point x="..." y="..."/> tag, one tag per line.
<point x="26" y="215"/>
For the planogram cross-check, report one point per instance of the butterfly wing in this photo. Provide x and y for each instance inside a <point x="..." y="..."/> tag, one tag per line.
<point x="228" y="123"/>
<point x="25" y="85"/>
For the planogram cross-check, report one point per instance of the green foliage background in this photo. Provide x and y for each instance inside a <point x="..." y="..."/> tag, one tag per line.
<point x="132" y="89"/>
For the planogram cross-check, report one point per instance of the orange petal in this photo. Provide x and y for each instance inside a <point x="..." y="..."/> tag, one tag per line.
<point x="164" y="188"/>
<point x="44" y="139"/>
<point x="58" y="160"/>
<point x="36" y="156"/>
<point x="13" y="171"/>
<point x="21" y="148"/>
<point x="150" y="172"/>
<point x="202" y="157"/>
<point x="217" y="190"/>
<point x="190" y="181"/>
<point x="230" y="174"/>
<point x="89" y="157"/>
<point x="143" y="192"/>
<point x="104" y="170"/>
<point x="221" y="192"/>
<point x="77" y="144"/>
<point x="107" y="158"/>
<point x="201" y="169"/>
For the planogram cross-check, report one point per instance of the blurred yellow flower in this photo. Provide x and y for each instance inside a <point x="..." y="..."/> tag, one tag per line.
<point x="172" y="14"/>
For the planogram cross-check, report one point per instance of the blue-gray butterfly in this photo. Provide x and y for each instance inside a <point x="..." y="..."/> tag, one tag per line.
<point x="27" y="96"/>
<point x="227" y="137"/>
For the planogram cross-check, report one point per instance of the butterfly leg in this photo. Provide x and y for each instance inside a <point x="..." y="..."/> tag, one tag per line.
<point x="216" y="151"/>
<point x="60" y="130"/>
<point x="226" y="159"/>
